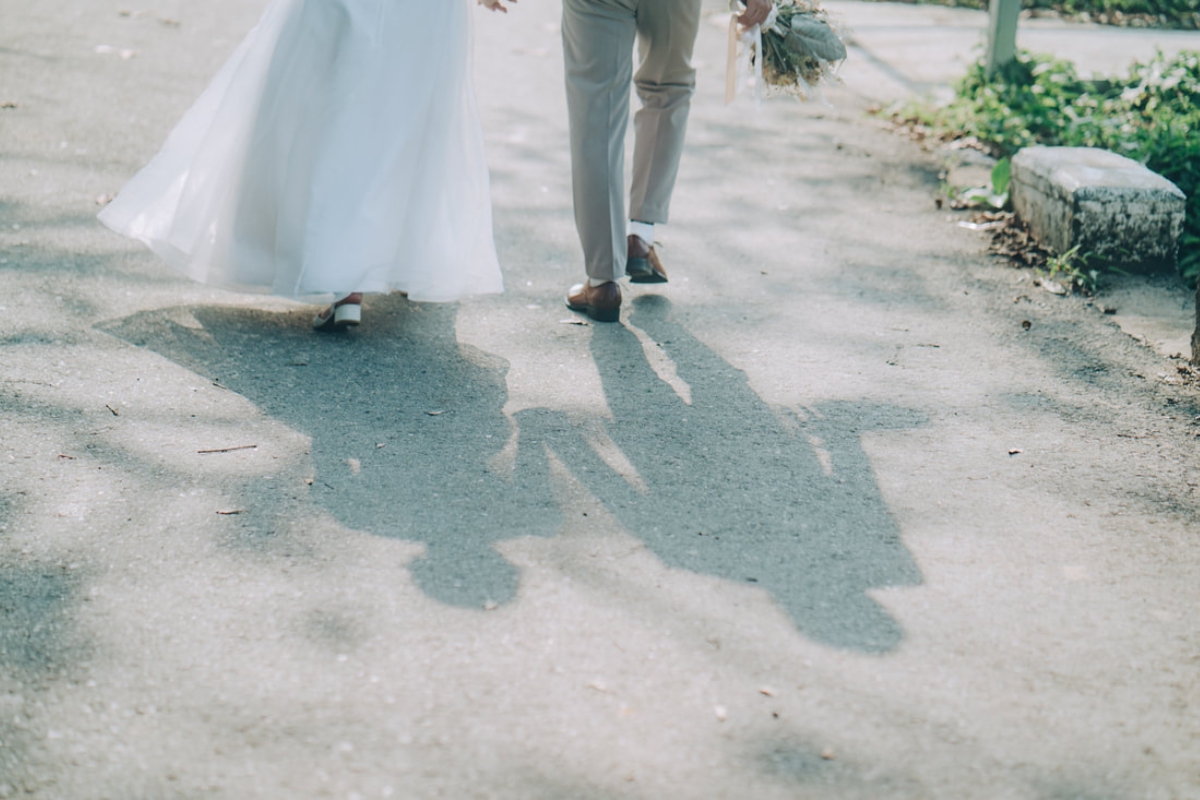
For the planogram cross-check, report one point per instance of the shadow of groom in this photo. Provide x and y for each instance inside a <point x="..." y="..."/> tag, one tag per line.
<point x="725" y="485"/>
<point x="406" y="424"/>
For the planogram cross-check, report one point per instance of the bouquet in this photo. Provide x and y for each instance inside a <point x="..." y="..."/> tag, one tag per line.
<point x="796" y="49"/>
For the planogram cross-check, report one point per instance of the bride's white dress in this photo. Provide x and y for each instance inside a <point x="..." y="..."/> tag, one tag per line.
<point x="338" y="150"/>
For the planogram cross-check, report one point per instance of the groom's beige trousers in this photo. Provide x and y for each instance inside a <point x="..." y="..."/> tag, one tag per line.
<point x="598" y="39"/>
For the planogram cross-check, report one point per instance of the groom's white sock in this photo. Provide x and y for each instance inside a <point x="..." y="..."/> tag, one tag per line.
<point x="642" y="230"/>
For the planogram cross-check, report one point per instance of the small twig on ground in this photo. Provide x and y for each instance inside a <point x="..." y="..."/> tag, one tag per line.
<point x="228" y="449"/>
<point x="115" y="413"/>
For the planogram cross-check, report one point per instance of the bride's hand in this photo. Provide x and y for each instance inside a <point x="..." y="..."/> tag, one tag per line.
<point x="496" y="5"/>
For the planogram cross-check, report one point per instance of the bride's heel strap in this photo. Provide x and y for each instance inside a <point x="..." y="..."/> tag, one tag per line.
<point x="347" y="314"/>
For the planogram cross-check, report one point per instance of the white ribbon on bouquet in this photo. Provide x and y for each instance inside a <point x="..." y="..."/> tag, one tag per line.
<point x="750" y="43"/>
<point x="808" y="30"/>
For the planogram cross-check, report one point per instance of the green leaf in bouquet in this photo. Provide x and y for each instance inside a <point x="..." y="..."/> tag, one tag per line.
<point x="815" y="37"/>
<point x="802" y="49"/>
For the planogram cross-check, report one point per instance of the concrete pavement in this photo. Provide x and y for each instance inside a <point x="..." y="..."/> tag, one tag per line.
<point x="846" y="510"/>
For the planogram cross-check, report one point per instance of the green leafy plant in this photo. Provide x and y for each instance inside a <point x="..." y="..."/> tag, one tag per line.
<point x="1151" y="116"/>
<point x="1001" y="176"/>
<point x="995" y="196"/>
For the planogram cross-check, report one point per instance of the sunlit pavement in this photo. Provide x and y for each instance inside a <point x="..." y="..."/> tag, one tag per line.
<point x="846" y="510"/>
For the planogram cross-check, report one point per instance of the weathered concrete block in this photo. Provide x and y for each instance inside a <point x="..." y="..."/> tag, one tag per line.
<point x="1106" y="204"/>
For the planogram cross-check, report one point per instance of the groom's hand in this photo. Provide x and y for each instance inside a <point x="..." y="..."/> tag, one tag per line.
<point x="498" y="5"/>
<point x="756" y="13"/>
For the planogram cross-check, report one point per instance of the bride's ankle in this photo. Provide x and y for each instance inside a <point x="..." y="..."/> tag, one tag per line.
<point x="354" y="298"/>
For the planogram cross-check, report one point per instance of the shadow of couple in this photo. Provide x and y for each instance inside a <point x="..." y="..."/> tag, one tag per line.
<point x="406" y="424"/>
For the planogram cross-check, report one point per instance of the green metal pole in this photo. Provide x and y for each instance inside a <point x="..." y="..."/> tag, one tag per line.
<point x="1002" y="33"/>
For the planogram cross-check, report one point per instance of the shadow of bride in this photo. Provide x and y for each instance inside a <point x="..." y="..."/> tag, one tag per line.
<point x="728" y="486"/>
<point x="406" y="424"/>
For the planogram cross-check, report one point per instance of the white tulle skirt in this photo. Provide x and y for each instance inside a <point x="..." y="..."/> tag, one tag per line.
<point x="338" y="150"/>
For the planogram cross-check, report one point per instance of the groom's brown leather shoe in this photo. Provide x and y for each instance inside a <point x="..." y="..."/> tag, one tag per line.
<point x="602" y="303"/>
<point x="643" y="264"/>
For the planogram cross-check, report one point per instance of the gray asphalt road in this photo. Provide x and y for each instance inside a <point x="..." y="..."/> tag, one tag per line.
<point x="848" y="510"/>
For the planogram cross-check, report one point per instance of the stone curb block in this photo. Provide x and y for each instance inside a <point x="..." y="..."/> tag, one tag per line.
<point x="1106" y="204"/>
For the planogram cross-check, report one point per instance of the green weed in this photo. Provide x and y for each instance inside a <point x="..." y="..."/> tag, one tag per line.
<point x="1070" y="269"/>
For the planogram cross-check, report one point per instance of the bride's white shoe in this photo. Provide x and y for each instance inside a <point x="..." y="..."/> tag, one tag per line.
<point x="338" y="316"/>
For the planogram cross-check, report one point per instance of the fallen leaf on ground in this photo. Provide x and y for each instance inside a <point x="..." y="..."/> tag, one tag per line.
<point x="1014" y="240"/>
<point x="1015" y="451"/>
<point x="981" y="226"/>
<point x="1054" y="287"/>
